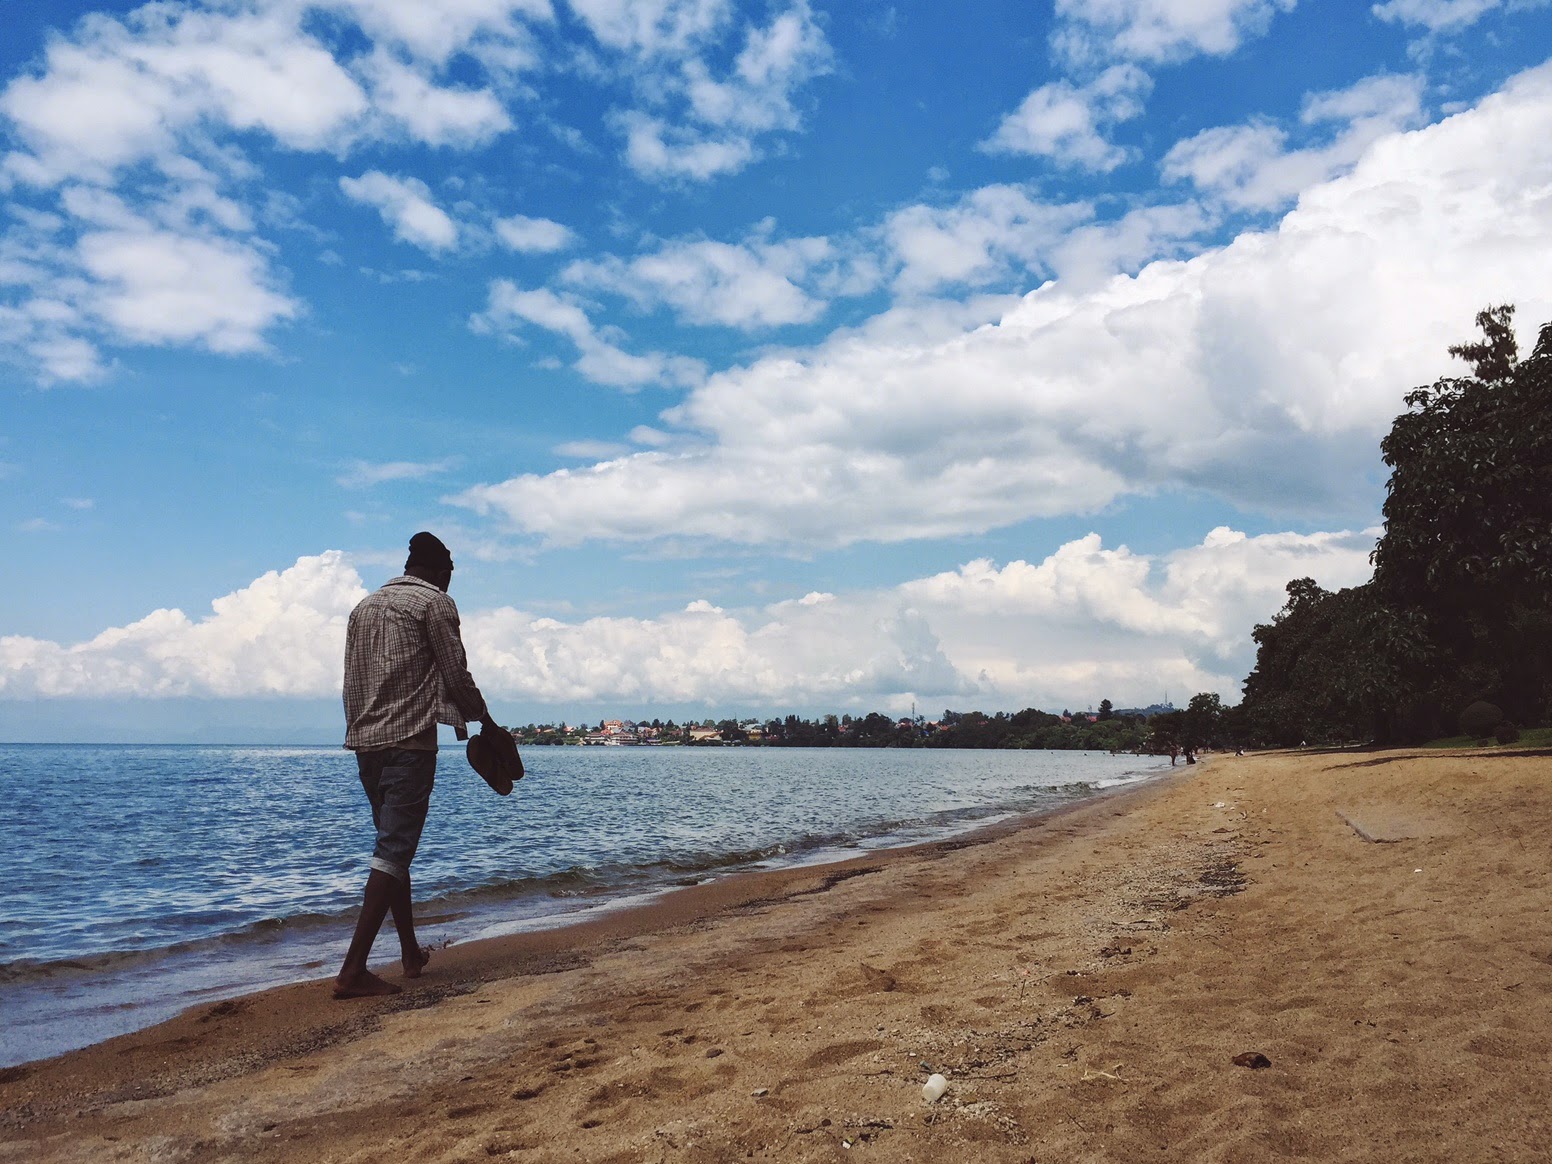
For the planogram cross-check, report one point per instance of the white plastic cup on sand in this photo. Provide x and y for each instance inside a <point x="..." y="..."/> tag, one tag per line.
<point x="933" y="1089"/>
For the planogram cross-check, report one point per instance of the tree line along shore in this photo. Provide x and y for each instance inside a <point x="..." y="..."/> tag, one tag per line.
<point x="1104" y="730"/>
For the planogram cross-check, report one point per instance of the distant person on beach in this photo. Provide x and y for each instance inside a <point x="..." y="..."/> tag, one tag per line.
<point x="405" y="672"/>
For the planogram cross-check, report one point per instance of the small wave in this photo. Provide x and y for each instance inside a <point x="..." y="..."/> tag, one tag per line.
<point x="33" y="969"/>
<point x="594" y="880"/>
<point x="615" y="878"/>
<point x="125" y="961"/>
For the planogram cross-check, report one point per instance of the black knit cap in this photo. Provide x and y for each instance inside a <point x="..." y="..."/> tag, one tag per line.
<point x="428" y="552"/>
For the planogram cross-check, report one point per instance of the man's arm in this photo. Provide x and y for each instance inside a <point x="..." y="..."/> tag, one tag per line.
<point x="447" y="647"/>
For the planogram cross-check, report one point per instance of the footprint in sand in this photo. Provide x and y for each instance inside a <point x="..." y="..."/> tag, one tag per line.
<point x="838" y="1053"/>
<point x="224" y="1009"/>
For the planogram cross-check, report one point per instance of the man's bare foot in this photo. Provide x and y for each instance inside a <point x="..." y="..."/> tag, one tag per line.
<point x="416" y="962"/>
<point x="363" y="985"/>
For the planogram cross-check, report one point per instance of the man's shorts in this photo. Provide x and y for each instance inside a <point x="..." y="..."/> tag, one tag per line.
<point x="398" y="783"/>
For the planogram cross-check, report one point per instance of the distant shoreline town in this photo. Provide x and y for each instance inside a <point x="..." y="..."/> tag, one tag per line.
<point x="1107" y="729"/>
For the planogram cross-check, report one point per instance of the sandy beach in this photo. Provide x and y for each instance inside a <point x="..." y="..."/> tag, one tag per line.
<point x="1375" y="926"/>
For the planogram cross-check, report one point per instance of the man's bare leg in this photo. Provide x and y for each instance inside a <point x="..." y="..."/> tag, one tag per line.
<point x="355" y="980"/>
<point x="412" y="954"/>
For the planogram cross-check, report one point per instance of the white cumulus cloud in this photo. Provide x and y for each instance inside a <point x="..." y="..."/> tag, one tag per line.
<point x="1251" y="167"/>
<point x="1065" y="122"/>
<point x="755" y="283"/>
<point x="656" y="148"/>
<point x="1087" y="621"/>
<point x="654" y="27"/>
<point x="977" y="240"/>
<point x="283" y="634"/>
<point x="435" y="114"/>
<point x="704" y="654"/>
<point x="1160" y="30"/>
<point x="1263" y="371"/>
<point x="406" y="205"/>
<point x="533" y="235"/>
<point x="434" y="32"/>
<point x="160" y="80"/>
<point x="1445" y="15"/>
<point x="179" y="270"/>
<point x="119" y="91"/>
<point x="160" y="110"/>
<point x="157" y="287"/>
<point x="697" y="117"/>
<point x="170" y="108"/>
<point x="1083" y="623"/>
<point x="599" y="359"/>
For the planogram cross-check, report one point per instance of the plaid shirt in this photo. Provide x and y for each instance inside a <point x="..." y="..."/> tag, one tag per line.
<point x="405" y="669"/>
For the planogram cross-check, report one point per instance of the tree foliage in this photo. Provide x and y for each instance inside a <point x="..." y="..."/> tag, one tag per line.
<point x="1460" y="606"/>
<point x="1468" y="514"/>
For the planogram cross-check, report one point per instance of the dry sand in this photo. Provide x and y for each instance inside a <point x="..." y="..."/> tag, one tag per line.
<point x="1085" y="982"/>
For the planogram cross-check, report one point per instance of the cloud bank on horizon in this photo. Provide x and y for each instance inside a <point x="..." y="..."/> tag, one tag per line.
<point x="1085" y="619"/>
<point x="739" y="296"/>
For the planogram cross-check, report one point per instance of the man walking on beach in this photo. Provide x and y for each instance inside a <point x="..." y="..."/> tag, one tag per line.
<point x="405" y="672"/>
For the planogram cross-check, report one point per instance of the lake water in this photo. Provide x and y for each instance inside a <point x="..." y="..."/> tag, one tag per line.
<point x="140" y="880"/>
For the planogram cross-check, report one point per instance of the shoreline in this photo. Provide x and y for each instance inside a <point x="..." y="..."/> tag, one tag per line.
<point x="1084" y="981"/>
<point x="611" y="920"/>
<point x="73" y="1002"/>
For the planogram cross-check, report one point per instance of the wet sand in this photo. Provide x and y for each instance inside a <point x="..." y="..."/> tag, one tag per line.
<point x="1376" y="926"/>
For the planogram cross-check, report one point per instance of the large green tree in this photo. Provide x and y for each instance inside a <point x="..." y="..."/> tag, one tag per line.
<point x="1460" y="607"/>
<point x="1468" y="519"/>
<point x="1334" y="667"/>
<point x="1200" y="723"/>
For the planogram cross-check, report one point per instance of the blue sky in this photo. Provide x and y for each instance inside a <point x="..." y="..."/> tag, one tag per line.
<point x="751" y="358"/>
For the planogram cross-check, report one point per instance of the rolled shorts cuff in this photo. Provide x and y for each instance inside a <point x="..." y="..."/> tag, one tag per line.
<point x="398" y="784"/>
<point x="388" y="867"/>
